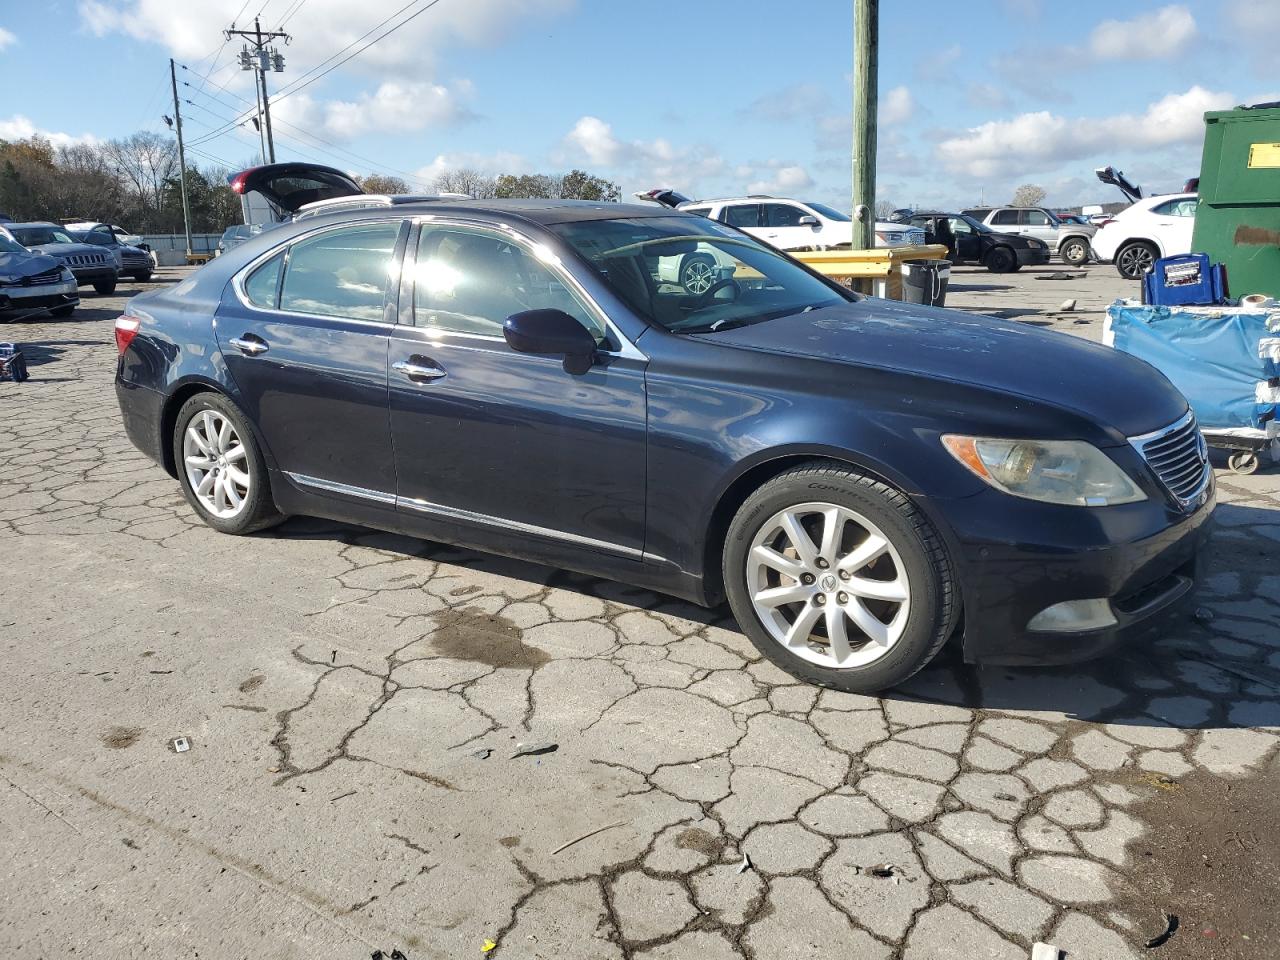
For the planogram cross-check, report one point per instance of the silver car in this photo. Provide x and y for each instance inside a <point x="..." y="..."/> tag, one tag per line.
<point x="1071" y="241"/>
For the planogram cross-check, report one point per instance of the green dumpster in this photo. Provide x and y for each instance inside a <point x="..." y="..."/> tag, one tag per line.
<point x="1238" y="218"/>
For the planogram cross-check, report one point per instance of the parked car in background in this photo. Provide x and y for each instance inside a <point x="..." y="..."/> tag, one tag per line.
<point x="857" y="477"/>
<point x="126" y="237"/>
<point x="130" y="261"/>
<point x="1070" y="241"/>
<point x="89" y="264"/>
<point x="1149" y="229"/>
<point x="236" y="234"/>
<point x="34" y="281"/>
<point x="787" y="224"/>
<point x="974" y="242"/>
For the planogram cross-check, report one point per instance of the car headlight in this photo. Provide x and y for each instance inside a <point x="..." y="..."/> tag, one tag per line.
<point x="888" y="237"/>
<point x="1069" y="472"/>
<point x="1034" y="244"/>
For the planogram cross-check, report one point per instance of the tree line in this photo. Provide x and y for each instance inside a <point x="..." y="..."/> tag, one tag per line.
<point x="133" y="181"/>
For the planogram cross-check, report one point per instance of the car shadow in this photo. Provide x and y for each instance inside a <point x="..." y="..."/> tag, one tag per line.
<point x="1180" y="679"/>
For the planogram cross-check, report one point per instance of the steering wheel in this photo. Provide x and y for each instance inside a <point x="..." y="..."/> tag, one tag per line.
<point x="705" y="297"/>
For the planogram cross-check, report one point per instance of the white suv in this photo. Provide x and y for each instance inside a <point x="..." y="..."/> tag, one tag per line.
<point x="1140" y="234"/>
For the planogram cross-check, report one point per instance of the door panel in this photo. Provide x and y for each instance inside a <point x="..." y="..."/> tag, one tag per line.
<point x="316" y="385"/>
<point x="502" y="438"/>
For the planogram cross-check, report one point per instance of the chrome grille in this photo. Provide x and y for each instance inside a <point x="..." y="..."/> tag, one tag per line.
<point x="1178" y="456"/>
<point x="40" y="279"/>
<point x="915" y="238"/>
<point x="85" y="259"/>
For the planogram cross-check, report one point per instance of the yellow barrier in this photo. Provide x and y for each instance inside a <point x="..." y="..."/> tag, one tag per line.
<point x="877" y="271"/>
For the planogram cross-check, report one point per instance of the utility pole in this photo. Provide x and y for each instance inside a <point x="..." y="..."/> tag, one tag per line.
<point x="182" y="157"/>
<point x="258" y="54"/>
<point x="866" y="39"/>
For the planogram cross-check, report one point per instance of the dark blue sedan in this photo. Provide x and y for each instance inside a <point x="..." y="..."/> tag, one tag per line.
<point x="859" y="478"/>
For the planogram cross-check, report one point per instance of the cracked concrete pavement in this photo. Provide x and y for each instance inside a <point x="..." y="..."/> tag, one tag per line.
<point x="354" y="701"/>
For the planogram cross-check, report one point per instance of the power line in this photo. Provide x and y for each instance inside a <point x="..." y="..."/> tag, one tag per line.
<point x="298" y="5"/>
<point x="296" y="86"/>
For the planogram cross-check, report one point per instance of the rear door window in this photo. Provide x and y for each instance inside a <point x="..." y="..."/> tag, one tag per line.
<point x="782" y="215"/>
<point x="263" y="284"/>
<point x="1035" y="218"/>
<point x="1005" y="218"/>
<point x="742" y="215"/>
<point x="341" y="273"/>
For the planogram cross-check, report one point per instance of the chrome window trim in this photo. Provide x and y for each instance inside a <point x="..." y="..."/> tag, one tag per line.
<point x="238" y="279"/>
<point x="1139" y="443"/>
<point x="466" y="516"/>
<point x="627" y="349"/>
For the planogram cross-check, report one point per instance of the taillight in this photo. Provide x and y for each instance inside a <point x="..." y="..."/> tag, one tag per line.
<point x="126" y="329"/>
<point x="1103" y="223"/>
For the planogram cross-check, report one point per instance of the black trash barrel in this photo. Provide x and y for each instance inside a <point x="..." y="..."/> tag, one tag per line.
<point x="925" y="281"/>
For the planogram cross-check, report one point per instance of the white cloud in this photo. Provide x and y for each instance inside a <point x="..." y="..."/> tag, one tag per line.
<point x="392" y="106"/>
<point x="651" y="163"/>
<point x="490" y="164"/>
<point x="595" y="140"/>
<point x="784" y="181"/>
<point x="897" y="106"/>
<point x="1161" y="34"/>
<point x="19" y="127"/>
<point x="1042" y="140"/>
<point x="7" y="38"/>
<point x="794" y="102"/>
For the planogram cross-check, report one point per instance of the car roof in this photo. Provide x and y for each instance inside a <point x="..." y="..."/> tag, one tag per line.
<point x="38" y="223"/>
<point x="543" y="212"/>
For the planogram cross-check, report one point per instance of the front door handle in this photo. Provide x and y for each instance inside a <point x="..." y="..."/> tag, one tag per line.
<point x="419" y="369"/>
<point x="250" y="345"/>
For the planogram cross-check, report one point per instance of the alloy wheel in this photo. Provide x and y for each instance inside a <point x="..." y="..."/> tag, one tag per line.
<point x="214" y="458"/>
<point x="698" y="276"/>
<point x="1136" y="260"/>
<point x="828" y="585"/>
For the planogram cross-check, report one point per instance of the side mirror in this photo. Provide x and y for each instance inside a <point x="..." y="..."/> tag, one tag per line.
<point x="808" y="221"/>
<point x="551" y="332"/>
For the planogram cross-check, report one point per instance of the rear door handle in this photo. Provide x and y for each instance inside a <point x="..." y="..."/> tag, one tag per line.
<point x="250" y="345"/>
<point x="419" y="369"/>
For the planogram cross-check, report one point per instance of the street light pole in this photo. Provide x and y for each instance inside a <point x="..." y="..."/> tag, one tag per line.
<point x="866" y="35"/>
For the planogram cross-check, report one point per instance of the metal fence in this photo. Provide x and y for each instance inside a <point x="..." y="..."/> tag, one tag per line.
<point x="171" y="248"/>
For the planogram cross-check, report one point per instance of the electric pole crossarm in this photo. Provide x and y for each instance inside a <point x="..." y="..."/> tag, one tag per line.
<point x="261" y="58"/>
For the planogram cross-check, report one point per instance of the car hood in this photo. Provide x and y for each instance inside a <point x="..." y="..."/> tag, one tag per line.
<point x="15" y="266"/>
<point x="68" y="249"/>
<point x="1103" y="385"/>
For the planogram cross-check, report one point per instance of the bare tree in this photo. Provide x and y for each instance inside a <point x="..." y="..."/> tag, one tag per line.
<point x="1029" y="195"/>
<point x="884" y="208"/>
<point x="143" y="161"/>
<point x="377" y="183"/>
<point x="471" y="182"/>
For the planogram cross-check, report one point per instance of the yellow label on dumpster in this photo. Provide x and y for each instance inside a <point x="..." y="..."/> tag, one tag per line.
<point x="1264" y="155"/>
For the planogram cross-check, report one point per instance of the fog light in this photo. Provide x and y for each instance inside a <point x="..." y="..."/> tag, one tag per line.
<point x="1073" y="616"/>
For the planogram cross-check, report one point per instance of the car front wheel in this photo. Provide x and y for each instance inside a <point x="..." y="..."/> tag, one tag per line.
<point x="1075" y="251"/>
<point x="1001" y="260"/>
<point x="220" y="467"/>
<point x="838" y="579"/>
<point x="105" y="287"/>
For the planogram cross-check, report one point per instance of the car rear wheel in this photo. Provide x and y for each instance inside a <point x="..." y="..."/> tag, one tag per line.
<point x="1135" y="259"/>
<point x="105" y="287"/>
<point x="838" y="579"/>
<point x="697" y="274"/>
<point x="1001" y="260"/>
<point x="1075" y="251"/>
<point x="220" y="467"/>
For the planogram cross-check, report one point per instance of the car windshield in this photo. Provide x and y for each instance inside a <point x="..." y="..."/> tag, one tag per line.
<point x="831" y="213"/>
<point x="692" y="275"/>
<point x="98" y="238"/>
<point x="8" y="246"/>
<point x="34" y="236"/>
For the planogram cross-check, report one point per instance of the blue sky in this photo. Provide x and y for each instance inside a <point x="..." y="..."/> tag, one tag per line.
<point x="714" y="97"/>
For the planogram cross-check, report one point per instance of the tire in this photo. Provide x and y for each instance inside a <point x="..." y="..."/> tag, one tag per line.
<point x="205" y="413"/>
<point x="104" y="287"/>
<point x="63" y="311"/>
<point x="1243" y="462"/>
<point x="1135" y="258"/>
<point x="1075" y="251"/>
<point x="912" y="612"/>
<point x="143" y="277"/>
<point x="697" y="274"/>
<point x="1001" y="259"/>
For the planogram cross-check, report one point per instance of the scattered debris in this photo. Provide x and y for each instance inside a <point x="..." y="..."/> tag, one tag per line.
<point x="394" y="955"/>
<point x="1203" y="615"/>
<point x="334" y="658"/>
<point x="566" y="846"/>
<point x="1170" y="928"/>
<point x="534" y="749"/>
<point x="1045" y="951"/>
<point x="745" y="865"/>
<point x="1066" y="306"/>
<point x="1159" y="781"/>
<point x="273" y="769"/>
<point x="885" y="871"/>
<point x="1008" y="797"/>
<point x="483" y="753"/>
<point x="488" y="946"/>
<point x="342" y="796"/>
<point x="1059" y="275"/>
<point x="1080" y="321"/>
<point x="159" y="673"/>
<point x="180" y="744"/>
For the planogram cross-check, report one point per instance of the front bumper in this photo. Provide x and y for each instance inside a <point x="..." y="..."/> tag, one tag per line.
<point x="1016" y="557"/>
<point x="88" y="275"/>
<point x="39" y="296"/>
<point x="1033" y="258"/>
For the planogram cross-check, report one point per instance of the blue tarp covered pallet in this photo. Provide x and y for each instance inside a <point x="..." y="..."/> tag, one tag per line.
<point x="1225" y="360"/>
